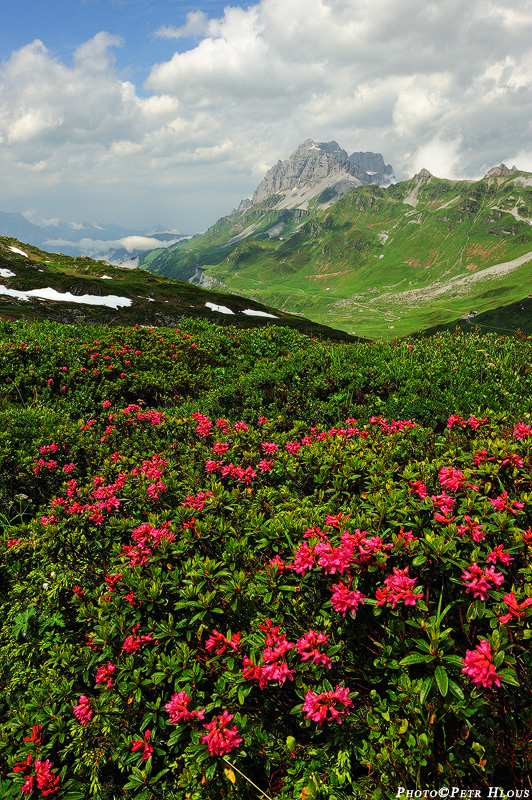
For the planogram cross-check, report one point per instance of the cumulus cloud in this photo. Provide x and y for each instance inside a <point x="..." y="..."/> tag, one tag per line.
<point x="197" y="23"/>
<point x="446" y="86"/>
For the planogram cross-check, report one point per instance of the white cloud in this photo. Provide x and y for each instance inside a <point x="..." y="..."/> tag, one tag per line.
<point x="31" y="215"/>
<point x="129" y="243"/>
<point x="197" y="23"/>
<point x="449" y="82"/>
<point x="440" y="157"/>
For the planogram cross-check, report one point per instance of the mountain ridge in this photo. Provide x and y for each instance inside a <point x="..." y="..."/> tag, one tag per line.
<point x="102" y="240"/>
<point x="378" y="261"/>
<point x="322" y="165"/>
<point x="35" y="284"/>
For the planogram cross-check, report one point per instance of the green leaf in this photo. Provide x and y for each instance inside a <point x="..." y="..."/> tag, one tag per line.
<point x="442" y="680"/>
<point x="425" y="689"/>
<point x="455" y="660"/>
<point x="508" y="676"/>
<point x="415" y="658"/>
<point x="498" y="660"/>
<point x="455" y="689"/>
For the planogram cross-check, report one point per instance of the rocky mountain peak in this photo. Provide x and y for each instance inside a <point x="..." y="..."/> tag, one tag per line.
<point x="501" y="171"/>
<point x="316" y="166"/>
<point x="313" y="148"/>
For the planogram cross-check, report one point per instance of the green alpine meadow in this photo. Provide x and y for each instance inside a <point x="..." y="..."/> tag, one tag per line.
<point x="266" y="499"/>
<point x="251" y="562"/>
<point x="378" y="262"/>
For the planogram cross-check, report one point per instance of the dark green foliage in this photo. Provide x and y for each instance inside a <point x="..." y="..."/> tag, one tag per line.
<point x="115" y="517"/>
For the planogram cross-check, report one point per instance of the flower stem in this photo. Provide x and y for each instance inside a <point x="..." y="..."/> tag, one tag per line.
<point x="267" y="796"/>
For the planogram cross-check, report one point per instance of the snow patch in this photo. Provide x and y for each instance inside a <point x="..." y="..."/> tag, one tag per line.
<point x="47" y="293"/>
<point x="16" y="250"/>
<point x="250" y="312"/>
<point x="106" y="277"/>
<point x="221" y="309"/>
<point x="6" y="273"/>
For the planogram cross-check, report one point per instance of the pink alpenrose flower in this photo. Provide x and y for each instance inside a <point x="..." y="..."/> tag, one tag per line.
<point x="335" y="704"/>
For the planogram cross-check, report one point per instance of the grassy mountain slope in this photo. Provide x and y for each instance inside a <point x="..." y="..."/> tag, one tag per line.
<point x="379" y="262"/>
<point x="504" y="319"/>
<point x="153" y="300"/>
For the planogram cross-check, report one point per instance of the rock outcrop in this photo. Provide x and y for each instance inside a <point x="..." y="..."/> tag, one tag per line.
<point x="317" y="166"/>
<point x="501" y="171"/>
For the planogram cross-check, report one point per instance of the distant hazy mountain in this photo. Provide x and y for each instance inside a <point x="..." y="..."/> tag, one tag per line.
<point x="106" y="241"/>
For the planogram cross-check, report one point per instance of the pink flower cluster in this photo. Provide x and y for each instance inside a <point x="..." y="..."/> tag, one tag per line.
<point x="83" y="711"/>
<point x="344" y="599"/>
<point x="146" y="537"/>
<point x="47" y="782"/>
<point x="144" y="745"/>
<point x="102" y="499"/>
<point x="451" y="478"/>
<point x="515" y="610"/>
<point x="398" y="589"/>
<point x="219" y="448"/>
<point x="204" y="425"/>
<point x="221" y="739"/>
<point x="445" y="503"/>
<point x="178" y="709"/>
<point x="104" y="675"/>
<point x="243" y="474"/>
<point x="197" y="501"/>
<point x="219" y="643"/>
<point x="327" y="706"/>
<point x="354" y="548"/>
<point x="419" y="488"/>
<point x="478" y="665"/>
<point x="391" y="427"/>
<point x="472" y="422"/>
<point x="275" y="667"/>
<point x="499" y="554"/>
<point x="270" y="448"/>
<point x="522" y="431"/>
<point x="473" y="527"/>
<point x="478" y="582"/>
<point x="133" y="642"/>
<point x="502" y="503"/>
<point x="307" y="647"/>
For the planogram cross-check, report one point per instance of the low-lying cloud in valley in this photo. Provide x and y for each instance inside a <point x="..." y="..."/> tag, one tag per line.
<point x="132" y="244"/>
<point x="441" y="85"/>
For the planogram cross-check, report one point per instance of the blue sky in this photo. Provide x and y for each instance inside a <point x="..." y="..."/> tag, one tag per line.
<point x="63" y="24"/>
<point x="155" y="111"/>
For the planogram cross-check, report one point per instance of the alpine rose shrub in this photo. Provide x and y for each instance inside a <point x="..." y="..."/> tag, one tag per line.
<point x="187" y="596"/>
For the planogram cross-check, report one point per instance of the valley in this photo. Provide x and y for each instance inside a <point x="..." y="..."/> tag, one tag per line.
<point x="381" y="261"/>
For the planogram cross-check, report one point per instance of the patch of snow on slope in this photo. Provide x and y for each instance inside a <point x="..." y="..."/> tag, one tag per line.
<point x="6" y="273"/>
<point x="47" y="293"/>
<point x="221" y="309"/>
<point x="16" y="250"/>
<point x="253" y="313"/>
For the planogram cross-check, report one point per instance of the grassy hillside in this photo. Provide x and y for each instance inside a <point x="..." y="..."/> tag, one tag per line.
<point x="506" y="319"/>
<point x="143" y="298"/>
<point x="379" y="262"/>
<point x="246" y="563"/>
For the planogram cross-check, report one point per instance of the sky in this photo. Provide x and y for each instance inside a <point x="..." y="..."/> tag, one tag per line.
<point x="160" y="112"/>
